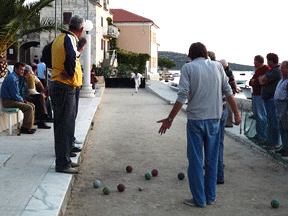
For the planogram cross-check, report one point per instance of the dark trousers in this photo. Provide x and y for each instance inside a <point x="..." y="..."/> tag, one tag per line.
<point x="40" y="105"/>
<point x="63" y="102"/>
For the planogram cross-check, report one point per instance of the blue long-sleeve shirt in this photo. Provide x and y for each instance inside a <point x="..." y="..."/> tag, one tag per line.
<point x="10" y="88"/>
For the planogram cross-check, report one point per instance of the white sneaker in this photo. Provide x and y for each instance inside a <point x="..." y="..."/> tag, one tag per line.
<point x="77" y="141"/>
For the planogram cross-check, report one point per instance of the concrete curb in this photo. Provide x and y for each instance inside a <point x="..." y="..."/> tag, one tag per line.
<point x="52" y="195"/>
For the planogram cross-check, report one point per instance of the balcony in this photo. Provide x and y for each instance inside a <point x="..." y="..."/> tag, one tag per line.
<point x="112" y="32"/>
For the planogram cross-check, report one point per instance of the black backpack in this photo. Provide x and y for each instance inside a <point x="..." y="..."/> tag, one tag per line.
<point x="47" y="55"/>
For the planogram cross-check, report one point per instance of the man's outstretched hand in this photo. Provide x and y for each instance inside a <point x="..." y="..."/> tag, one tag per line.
<point x="165" y="125"/>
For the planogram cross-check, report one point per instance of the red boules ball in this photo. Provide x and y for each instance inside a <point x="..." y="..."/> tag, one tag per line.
<point x="154" y="172"/>
<point x="129" y="169"/>
<point x="121" y="187"/>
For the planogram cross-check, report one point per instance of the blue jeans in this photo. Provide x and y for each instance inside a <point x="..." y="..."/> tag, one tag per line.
<point x="273" y="133"/>
<point x="220" y="175"/>
<point x="203" y="188"/>
<point x="282" y="116"/>
<point x="260" y="115"/>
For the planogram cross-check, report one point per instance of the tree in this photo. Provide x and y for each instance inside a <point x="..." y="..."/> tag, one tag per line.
<point x="165" y="62"/>
<point x="16" y="20"/>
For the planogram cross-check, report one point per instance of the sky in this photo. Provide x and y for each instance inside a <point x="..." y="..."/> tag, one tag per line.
<point x="235" y="30"/>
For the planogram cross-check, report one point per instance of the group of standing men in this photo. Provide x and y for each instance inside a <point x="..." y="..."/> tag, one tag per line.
<point x="269" y="102"/>
<point x="204" y="82"/>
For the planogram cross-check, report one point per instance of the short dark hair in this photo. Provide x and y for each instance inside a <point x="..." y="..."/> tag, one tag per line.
<point x="26" y="72"/>
<point x="34" y="67"/>
<point x="212" y="55"/>
<point x="197" y="50"/>
<point x="273" y="57"/>
<point x="82" y="42"/>
<point x="19" y="64"/>
<point x="259" y="59"/>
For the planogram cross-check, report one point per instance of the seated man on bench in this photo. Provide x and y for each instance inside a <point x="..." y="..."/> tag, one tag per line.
<point x="38" y="99"/>
<point x="11" y="98"/>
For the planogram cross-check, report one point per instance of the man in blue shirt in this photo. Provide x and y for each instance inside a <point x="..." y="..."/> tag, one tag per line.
<point x="11" y="98"/>
<point x="281" y="103"/>
<point x="41" y="72"/>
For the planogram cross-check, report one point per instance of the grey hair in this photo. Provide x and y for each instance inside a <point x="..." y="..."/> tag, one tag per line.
<point x="224" y="62"/>
<point x="76" y="23"/>
<point x="286" y="63"/>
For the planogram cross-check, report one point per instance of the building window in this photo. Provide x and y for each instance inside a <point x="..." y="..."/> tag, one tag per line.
<point x="102" y="44"/>
<point x="66" y="17"/>
<point x="101" y="21"/>
<point x="105" y="5"/>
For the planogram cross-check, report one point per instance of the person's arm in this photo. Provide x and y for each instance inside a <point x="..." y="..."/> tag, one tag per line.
<point x="232" y="102"/>
<point x="38" y="83"/>
<point x="70" y="45"/>
<point x="182" y="95"/>
<point x="263" y="80"/>
<point x="14" y="90"/>
<point x="167" y="122"/>
<point x="235" y="87"/>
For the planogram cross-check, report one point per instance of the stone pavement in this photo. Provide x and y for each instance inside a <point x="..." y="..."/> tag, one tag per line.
<point x="29" y="184"/>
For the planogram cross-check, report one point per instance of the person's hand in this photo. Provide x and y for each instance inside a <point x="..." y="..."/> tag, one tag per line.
<point x="237" y="119"/>
<point x="45" y="92"/>
<point x="64" y="75"/>
<point x="238" y="90"/>
<point x="24" y="101"/>
<point x="165" y="125"/>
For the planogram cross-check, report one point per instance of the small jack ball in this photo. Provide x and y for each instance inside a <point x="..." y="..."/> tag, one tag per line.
<point x="148" y="176"/>
<point x="181" y="176"/>
<point x="106" y="190"/>
<point x="154" y="172"/>
<point x="121" y="187"/>
<point x="129" y="169"/>
<point x="275" y="203"/>
<point x="96" y="183"/>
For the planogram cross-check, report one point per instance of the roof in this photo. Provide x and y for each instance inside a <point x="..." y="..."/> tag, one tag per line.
<point x="121" y="15"/>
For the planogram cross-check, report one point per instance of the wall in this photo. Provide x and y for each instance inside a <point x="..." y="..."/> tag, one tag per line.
<point x="134" y="38"/>
<point x="80" y="7"/>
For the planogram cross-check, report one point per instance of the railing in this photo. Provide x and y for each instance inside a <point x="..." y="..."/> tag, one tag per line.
<point x="112" y="31"/>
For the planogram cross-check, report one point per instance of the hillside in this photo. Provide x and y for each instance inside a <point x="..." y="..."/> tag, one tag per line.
<point x="180" y="59"/>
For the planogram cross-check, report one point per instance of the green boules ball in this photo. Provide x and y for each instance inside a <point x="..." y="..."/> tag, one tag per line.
<point x="148" y="176"/>
<point x="106" y="190"/>
<point x="275" y="203"/>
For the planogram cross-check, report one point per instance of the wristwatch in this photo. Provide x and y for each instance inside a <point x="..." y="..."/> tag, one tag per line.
<point x="169" y="119"/>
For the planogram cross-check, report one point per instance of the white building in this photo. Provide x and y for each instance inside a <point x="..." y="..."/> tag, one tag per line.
<point x="98" y="11"/>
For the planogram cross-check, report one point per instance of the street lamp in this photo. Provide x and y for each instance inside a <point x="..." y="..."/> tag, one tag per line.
<point x="87" y="91"/>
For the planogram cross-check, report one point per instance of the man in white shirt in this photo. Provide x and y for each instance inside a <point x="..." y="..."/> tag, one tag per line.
<point x="137" y="78"/>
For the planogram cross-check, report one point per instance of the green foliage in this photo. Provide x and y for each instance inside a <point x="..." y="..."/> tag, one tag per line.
<point x="16" y="16"/>
<point x="122" y="71"/>
<point x="165" y="62"/>
<point x="134" y="61"/>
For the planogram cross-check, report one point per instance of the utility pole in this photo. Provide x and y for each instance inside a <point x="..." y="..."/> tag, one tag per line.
<point x="55" y="18"/>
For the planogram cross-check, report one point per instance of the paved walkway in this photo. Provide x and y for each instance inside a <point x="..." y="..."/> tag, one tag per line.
<point x="29" y="184"/>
